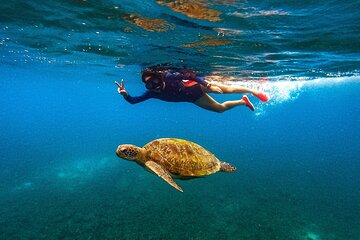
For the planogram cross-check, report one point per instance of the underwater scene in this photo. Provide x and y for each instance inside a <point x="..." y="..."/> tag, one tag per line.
<point x="62" y="119"/>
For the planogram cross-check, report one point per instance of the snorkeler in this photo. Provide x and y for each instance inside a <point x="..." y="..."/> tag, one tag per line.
<point x="172" y="85"/>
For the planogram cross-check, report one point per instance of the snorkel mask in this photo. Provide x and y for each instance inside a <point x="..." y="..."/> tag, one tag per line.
<point x="153" y="83"/>
<point x="152" y="80"/>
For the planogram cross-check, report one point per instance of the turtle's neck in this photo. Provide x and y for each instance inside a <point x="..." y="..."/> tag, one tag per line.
<point x="142" y="156"/>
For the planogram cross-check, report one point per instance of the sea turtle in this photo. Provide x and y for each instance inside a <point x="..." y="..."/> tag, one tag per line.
<point x="172" y="157"/>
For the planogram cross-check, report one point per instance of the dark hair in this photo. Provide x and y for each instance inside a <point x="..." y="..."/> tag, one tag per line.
<point x="149" y="73"/>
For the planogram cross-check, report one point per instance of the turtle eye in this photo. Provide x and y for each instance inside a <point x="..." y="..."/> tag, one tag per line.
<point x="125" y="151"/>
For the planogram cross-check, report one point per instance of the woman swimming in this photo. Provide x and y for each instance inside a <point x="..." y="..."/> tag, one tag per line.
<point x="173" y="85"/>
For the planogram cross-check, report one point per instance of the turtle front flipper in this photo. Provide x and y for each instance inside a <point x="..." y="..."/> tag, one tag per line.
<point x="161" y="172"/>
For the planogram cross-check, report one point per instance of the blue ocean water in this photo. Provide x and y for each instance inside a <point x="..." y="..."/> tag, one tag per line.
<point x="61" y="119"/>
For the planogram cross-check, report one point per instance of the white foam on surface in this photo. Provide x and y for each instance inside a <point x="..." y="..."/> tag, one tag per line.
<point x="284" y="89"/>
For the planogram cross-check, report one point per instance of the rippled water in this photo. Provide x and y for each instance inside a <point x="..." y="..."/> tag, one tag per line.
<point x="237" y="38"/>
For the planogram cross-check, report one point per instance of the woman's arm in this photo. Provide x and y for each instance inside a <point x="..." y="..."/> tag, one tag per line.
<point x="130" y="99"/>
<point x="211" y="87"/>
<point x="138" y="99"/>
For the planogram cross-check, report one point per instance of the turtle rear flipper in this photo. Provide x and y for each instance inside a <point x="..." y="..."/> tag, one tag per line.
<point x="226" y="167"/>
<point x="161" y="172"/>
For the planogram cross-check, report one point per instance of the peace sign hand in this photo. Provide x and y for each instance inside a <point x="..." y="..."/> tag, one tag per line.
<point x="121" y="88"/>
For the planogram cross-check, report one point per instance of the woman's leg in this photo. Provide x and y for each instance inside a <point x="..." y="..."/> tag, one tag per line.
<point x="209" y="103"/>
<point x="228" y="89"/>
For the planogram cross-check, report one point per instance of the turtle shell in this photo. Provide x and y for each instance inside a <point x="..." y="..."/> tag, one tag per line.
<point x="182" y="157"/>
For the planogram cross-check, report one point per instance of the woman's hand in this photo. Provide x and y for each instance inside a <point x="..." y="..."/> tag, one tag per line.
<point x="121" y="88"/>
<point x="215" y="89"/>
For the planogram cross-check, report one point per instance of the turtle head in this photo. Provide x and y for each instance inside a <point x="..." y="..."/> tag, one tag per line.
<point x="128" y="152"/>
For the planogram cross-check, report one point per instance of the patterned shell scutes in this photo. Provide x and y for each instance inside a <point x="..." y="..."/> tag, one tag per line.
<point x="182" y="157"/>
